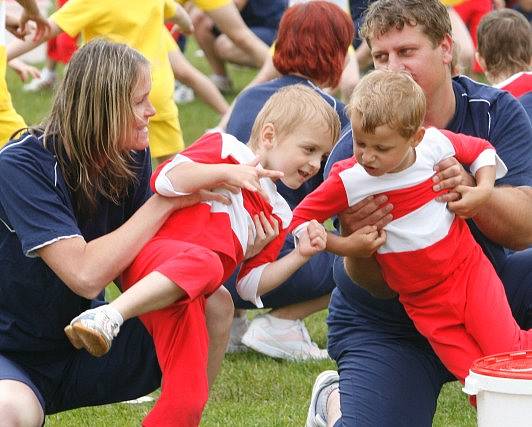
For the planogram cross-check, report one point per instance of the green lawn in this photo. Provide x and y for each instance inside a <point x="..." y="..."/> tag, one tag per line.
<point x="251" y="390"/>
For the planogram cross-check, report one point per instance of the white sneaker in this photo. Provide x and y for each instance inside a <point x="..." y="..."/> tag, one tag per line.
<point x="46" y="81"/>
<point x="183" y="94"/>
<point x="280" y="338"/>
<point x="94" y="330"/>
<point x="223" y="83"/>
<point x="238" y="329"/>
<point x="325" y="379"/>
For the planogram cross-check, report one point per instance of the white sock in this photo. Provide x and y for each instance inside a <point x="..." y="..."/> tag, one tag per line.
<point x="47" y="74"/>
<point x="323" y="398"/>
<point x="113" y="313"/>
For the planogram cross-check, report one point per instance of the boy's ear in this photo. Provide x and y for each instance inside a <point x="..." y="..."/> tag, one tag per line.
<point x="267" y="135"/>
<point x="418" y="136"/>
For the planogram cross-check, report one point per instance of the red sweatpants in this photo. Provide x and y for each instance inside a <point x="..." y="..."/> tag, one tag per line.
<point x="471" y="12"/>
<point x="179" y="331"/>
<point x="62" y="47"/>
<point x="467" y="316"/>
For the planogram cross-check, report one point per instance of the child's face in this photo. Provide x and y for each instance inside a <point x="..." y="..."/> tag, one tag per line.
<point x="384" y="151"/>
<point x="137" y="136"/>
<point x="298" y="154"/>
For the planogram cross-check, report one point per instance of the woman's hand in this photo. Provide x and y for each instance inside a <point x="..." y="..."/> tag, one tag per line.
<point x="266" y="230"/>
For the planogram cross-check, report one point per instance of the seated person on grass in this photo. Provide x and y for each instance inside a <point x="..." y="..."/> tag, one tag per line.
<point x="197" y="249"/>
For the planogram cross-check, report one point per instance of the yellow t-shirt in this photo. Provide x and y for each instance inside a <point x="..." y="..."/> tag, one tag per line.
<point x="207" y="5"/>
<point x="450" y="3"/>
<point x="137" y="23"/>
<point x="4" y="94"/>
<point x="10" y="121"/>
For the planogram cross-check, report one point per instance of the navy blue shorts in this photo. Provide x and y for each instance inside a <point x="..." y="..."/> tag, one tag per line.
<point x="311" y="281"/>
<point x="389" y="374"/>
<point x="70" y="378"/>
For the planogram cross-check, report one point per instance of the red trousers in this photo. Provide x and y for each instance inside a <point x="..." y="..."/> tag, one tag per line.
<point x="471" y="12"/>
<point x="62" y="47"/>
<point x="179" y="331"/>
<point x="467" y="316"/>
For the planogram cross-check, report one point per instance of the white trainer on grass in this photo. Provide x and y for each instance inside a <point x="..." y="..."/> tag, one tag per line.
<point x="281" y="338"/>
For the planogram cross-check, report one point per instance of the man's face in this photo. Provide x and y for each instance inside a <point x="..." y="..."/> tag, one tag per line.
<point x="411" y="50"/>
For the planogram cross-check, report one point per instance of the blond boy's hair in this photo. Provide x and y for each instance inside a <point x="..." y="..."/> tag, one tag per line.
<point x="293" y="107"/>
<point x="505" y="42"/>
<point x="389" y="98"/>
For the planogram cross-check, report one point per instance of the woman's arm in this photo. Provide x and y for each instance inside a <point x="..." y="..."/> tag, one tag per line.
<point x="87" y="267"/>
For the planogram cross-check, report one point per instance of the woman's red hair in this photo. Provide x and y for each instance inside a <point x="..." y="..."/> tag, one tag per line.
<point x="312" y="40"/>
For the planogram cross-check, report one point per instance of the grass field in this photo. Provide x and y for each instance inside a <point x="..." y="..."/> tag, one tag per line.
<point x="251" y="390"/>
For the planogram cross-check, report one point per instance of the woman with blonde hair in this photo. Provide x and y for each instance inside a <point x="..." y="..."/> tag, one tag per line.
<point x="75" y="209"/>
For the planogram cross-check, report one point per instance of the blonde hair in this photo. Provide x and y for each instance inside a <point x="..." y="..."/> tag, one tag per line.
<point x="91" y="116"/>
<point x="292" y="107"/>
<point x="389" y="98"/>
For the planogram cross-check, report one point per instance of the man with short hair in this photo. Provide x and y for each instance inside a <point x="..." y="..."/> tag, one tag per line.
<point x="389" y="374"/>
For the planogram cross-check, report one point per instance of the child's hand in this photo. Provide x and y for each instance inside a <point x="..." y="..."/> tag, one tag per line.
<point x="312" y="240"/>
<point x="183" y="21"/>
<point x="24" y="70"/>
<point x="472" y="198"/>
<point x="266" y="230"/>
<point x="364" y="242"/>
<point x="247" y="177"/>
<point x="42" y="26"/>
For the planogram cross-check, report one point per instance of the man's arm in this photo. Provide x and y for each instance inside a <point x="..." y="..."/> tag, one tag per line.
<point x="506" y="218"/>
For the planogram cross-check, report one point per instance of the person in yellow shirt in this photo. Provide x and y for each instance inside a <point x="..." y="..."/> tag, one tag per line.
<point x="10" y="120"/>
<point x="141" y="28"/>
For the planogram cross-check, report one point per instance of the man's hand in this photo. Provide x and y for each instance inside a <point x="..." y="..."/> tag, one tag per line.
<point x="373" y="210"/>
<point x="472" y="199"/>
<point x="449" y="175"/>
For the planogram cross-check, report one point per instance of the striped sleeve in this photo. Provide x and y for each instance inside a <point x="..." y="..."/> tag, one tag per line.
<point x="475" y="152"/>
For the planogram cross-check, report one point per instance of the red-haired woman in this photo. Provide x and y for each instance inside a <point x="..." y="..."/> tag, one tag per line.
<point x="311" y="49"/>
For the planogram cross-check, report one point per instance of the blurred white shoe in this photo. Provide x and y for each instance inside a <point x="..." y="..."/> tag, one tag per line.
<point x="326" y="381"/>
<point x="281" y="338"/>
<point x="182" y="93"/>
<point x="238" y="329"/>
<point x="223" y="83"/>
<point x="46" y="81"/>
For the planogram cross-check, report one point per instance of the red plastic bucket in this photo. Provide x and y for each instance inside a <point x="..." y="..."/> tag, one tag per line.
<point x="503" y="386"/>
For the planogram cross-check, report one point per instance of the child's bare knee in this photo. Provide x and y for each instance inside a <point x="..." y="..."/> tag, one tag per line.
<point x="220" y="309"/>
